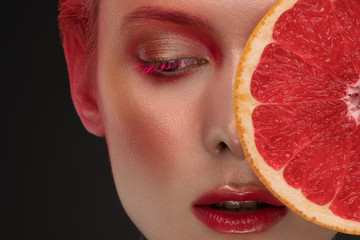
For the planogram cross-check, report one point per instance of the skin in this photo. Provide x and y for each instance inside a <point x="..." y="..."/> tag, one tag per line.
<point x="172" y="141"/>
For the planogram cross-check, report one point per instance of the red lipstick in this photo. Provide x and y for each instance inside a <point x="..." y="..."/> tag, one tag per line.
<point x="268" y="211"/>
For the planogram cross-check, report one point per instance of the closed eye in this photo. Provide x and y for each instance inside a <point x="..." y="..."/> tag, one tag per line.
<point x="169" y="69"/>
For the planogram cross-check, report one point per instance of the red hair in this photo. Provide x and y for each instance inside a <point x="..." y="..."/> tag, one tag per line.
<point x="78" y="31"/>
<point x="78" y="18"/>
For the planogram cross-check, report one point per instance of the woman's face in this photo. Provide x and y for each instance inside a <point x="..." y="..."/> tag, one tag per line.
<point x="171" y="134"/>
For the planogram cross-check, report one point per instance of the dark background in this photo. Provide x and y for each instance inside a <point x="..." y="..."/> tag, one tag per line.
<point x="56" y="176"/>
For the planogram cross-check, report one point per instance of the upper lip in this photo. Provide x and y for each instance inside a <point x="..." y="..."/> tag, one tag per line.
<point x="246" y="193"/>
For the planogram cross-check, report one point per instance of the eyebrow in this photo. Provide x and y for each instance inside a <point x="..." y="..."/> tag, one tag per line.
<point x="162" y="14"/>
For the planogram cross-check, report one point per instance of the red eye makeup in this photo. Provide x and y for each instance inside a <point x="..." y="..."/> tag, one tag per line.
<point x="167" y="52"/>
<point x="169" y="70"/>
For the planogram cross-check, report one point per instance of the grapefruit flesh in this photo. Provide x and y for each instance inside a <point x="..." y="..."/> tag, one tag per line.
<point x="297" y="108"/>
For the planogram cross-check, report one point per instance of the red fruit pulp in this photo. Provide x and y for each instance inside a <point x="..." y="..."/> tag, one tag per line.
<point x="308" y="84"/>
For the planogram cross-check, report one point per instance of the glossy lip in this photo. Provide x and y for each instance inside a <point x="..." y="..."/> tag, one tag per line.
<point x="243" y="222"/>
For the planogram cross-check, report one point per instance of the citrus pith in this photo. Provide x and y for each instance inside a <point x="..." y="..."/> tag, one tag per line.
<point x="297" y="108"/>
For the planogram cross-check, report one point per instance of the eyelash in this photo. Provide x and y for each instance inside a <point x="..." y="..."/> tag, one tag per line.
<point x="168" y="70"/>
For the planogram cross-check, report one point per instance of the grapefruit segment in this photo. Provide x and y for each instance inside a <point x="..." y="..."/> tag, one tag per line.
<point x="279" y="137"/>
<point x="322" y="162"/>
<point x="347" y="202"/>
<point x="291" y="79"/>
<point x="297" y="108"/>
<point x="311" y="30"/>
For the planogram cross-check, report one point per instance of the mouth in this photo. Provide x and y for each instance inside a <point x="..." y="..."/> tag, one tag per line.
<point x="236" y="211"/>
<point x="239" y="206"/>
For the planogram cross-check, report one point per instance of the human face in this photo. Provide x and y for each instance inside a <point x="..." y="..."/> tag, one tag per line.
<point x="172" y="142"/>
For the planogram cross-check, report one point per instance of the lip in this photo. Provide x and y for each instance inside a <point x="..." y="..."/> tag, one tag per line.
<point x="243" y="222"/>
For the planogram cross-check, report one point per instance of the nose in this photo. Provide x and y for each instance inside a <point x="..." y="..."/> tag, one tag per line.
<point x="219" y="129"/>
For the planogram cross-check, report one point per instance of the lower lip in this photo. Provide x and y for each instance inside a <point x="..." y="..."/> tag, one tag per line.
<point x="240" y="223"/>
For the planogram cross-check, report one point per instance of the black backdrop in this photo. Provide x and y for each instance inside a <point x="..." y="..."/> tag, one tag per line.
<point x="56" y="177"/>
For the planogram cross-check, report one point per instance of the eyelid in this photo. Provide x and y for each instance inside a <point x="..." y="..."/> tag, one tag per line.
<point x="169" y="46"/>
<point x="158" y="49"/>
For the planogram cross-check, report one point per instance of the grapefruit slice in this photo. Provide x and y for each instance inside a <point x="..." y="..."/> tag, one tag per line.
<point x="297" y="108"/>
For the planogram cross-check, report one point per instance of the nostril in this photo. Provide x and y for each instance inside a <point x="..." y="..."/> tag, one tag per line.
<point x="222" y="146"/>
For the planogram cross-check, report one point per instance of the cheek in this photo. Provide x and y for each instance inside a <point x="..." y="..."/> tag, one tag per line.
<point x="144" y="141"/>
<point x="149" y="142"/>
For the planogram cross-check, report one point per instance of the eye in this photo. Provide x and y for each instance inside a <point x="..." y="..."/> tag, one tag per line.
<point x="169" y="70"/>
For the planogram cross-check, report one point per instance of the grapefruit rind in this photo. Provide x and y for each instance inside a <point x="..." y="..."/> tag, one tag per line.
<point x="244" y="105"/>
